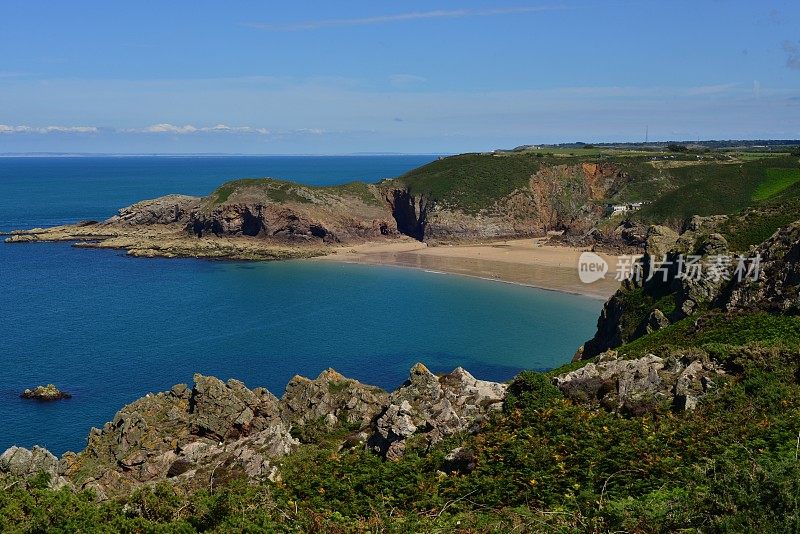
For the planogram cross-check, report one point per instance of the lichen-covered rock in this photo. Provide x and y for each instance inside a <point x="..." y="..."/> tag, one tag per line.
<point x="228" y="410"/>
<point x="656" y="321"/>
<point x="163" y="210"/>
<point x="28" y="463"/>
<point x="433" y="407"/>
<point x="216" y="431"/>
<point x="777" y="288"/>
<point x="330" y="398"/>
<point x="184" y="430"/>
<point x="660" y="240"/>
<point x="640" y="385"/>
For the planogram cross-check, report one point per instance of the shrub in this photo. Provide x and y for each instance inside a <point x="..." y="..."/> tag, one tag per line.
<point x="529" y="391"/>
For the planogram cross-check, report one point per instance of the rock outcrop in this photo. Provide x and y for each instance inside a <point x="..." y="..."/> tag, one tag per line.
<point x="330" y="399"/>
<point x="776" y="284"/>
<point x="432" y="408"/>
<point x="643" y="384"/>
<point x="26" y="464"/>
<point x="633" y="310"/>
<point x="186" y="434"/>
<point x="215" y="431"/>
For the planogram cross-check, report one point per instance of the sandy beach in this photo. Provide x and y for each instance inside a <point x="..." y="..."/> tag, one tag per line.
<point x="529" y="262"/>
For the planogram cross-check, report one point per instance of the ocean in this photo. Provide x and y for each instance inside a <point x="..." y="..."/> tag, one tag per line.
<point x="109" y="328"/>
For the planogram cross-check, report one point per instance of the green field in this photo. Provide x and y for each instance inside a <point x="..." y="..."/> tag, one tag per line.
<point x="776" y="181"/>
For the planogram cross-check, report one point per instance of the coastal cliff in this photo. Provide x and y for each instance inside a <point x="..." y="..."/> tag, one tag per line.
<point x="643" y="306"/>
<point x="456" y="199"/>
<point x="266" y="219"/>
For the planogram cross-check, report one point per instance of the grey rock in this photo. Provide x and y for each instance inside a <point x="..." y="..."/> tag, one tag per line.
<point x="330" y="397"/>
<point x="461" y="460"/>
<point x="641" y="384"/>
<point x="28" y="463"/>
<point x="656" y="321"/>
<point x="777" y="287"/>
<point x="660" y="241"/>
<point x="433" y="408"/>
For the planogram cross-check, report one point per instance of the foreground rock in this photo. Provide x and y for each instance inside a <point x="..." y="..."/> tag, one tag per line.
<point x="45" y="393"/>
<point x="430" y="408"/>
<point x="215" y="431"/>
<point x="643" y="384"/>
<point x="24" y="463"/>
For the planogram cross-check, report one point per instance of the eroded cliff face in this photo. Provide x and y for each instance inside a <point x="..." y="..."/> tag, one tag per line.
<point x="410" y="213"/>
<point x="639" y="308"/>
<point x="561" y="197"/>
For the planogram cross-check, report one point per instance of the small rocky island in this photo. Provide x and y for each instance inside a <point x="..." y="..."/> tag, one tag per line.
<point x="45" y="393"/>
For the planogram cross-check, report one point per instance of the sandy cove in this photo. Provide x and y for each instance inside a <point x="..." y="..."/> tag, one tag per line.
<point x="529" y="262"/>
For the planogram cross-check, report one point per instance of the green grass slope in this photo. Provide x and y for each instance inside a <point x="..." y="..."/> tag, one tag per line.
<point x="472" y="182"/>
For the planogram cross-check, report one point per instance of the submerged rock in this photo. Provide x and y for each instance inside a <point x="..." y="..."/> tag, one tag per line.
<point x="45" y="393"/>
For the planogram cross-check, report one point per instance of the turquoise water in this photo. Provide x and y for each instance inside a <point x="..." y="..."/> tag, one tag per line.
<point x="109" y="328"/>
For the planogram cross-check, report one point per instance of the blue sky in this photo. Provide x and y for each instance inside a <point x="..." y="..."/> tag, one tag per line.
<point x="344" y="77"/>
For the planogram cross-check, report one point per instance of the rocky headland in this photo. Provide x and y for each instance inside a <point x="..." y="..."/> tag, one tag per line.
<point x="268" y="219"/>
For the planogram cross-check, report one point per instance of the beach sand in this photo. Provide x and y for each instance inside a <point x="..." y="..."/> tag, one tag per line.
<point x="529" y="262"/>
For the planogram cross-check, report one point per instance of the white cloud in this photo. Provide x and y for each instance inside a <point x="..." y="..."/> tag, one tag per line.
<point x="310" y="131"/>
<point x="190" y="129"/>
<point x="711" y="89"/>
<point x="8" y="129"/>
<point x="399" y="17"/>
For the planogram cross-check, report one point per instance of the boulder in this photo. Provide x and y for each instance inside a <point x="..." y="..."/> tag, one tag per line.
<point x="660" y="240"/>
<point x="656" y="321"/>
<point x="776" y="287"/>
<point x="228" y="410"/>
<point x="330" y="398"/>
<point x="461" y="461"/>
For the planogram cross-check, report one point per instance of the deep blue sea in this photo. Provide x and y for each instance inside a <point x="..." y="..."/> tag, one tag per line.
<point x="109" y="328"/>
